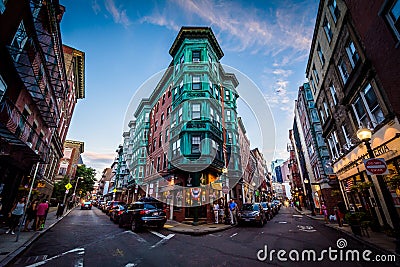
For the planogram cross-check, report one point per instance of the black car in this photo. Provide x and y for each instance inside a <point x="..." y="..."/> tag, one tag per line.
<point x="252" y="213"/>
<point x="87" y="205"/>
<point x="143" y="213"/>
<point x="115" y="214"/>
<point x="268" y="210"/>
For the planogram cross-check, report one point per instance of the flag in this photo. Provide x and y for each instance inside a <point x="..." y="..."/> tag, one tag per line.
<point x="349" y="185"/>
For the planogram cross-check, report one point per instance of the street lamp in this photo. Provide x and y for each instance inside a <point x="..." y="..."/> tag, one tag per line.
<point x="365" y="134"/>
<point x="76" y="185"/>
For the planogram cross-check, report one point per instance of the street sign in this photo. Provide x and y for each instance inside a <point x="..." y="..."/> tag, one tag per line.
<point x="68" y="186"/>
<point x="225" y="189"/>
<point x="66" y="191"/>
<point x="115" y="190"/>
<point x="376" y="166"/>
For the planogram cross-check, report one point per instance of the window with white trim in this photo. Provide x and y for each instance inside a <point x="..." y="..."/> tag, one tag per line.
<point x="321" y="113"/>
<point x="212" y="115"/>
<point x="229" y="137"/>
<point x="227" y="95"/>
<point x="180" y="87"/>
<point x="343" y="70"/>
<point x="315" y="74"/>
<point x="327" y="29"/>
<point x="366" y="108"/>
<point x="196" y="111"/>
<point x="176" y="147"/>
<point x="334" y="145"/>
<point x="352" y="53"/>
<point x="196" y="140"/>
<point x="393" y="18"/>
<point x="333" y="93"/>
<point x="326" y="108"/>
<point x="228" y="116"/>
<point x="196" y="85"/>
<point x="195" y="56"/>
<point x="182" y="60"/>
<point x="320" y="54"/>
<point x="333" y="8"/>
<point x="180" y="115"/>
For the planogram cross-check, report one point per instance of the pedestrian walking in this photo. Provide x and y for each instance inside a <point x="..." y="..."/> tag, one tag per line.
<point x="15" y="215"/>
<point x="325" y="212"/>
<point x="60" y="210"/>
<point x="232" y="210"/>
<point x="31" y="216"/>
<point x="216" y="211"/>
<point x="41" y="213"/>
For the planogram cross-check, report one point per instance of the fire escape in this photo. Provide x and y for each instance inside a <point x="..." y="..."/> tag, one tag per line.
<point x="38" y="59"/>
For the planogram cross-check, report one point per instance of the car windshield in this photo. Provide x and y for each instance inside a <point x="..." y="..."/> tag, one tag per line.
<point x="264" y="205"/>
<point x="247" y="207"/>
<point x="152" y="206"/>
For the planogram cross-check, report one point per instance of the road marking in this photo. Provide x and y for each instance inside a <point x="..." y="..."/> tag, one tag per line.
<point x="157" y="234"/>
<point x="77" y="262"/>
<point x="282" y="222"/>
<point x="233" y="234"/>
<point x="162" y="241"/>
<point x="306" y="228"/>
<point x="138" y="238"/>
<point x="296" y="215"/>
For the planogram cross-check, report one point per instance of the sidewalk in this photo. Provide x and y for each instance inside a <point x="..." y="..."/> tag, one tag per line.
<point x="9" y="248"/>
<point x="377" y="240"/>
<point x="200" y="229"/>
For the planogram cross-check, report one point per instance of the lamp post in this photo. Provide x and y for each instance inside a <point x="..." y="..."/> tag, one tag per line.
<point x="365" y="135"/>
<point x="309" y="195"/>
<point x="76" y="185"/>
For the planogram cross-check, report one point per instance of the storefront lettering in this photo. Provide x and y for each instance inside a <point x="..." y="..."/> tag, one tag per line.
<point x="381" y="150"/>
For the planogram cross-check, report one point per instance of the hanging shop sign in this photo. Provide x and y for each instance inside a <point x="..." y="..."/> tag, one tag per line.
<point x="376" y="166"/>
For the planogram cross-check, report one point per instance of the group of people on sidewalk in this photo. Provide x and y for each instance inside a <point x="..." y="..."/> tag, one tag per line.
<point x="218" y="212"/>
<point x="35" y="213"/>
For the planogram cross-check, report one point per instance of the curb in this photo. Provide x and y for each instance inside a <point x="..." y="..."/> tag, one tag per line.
<point x="25" y="245"/>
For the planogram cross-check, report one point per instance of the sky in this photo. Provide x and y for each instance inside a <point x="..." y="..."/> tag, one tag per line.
<point x="126" y="43"/>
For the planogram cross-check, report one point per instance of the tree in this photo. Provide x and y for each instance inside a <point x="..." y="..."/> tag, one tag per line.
<point x="86" y="183"/>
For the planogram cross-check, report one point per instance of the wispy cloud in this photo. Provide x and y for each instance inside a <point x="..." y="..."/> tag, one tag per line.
<point x="282" y="72"/>
<point x="98" y="161"/>
<point x="287" y="27"/>
<point x="118" y="13"/>
<point x="96" y="7"/>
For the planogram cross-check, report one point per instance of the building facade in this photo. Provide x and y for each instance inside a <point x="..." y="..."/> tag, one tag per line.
<point x="351" y="79"/>
<point x="33" y="93"/>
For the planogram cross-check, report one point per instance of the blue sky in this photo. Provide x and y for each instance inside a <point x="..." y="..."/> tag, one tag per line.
<point x="126" y="42"/>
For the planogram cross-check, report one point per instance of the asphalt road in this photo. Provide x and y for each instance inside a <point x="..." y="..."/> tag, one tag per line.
<point x="89" y="238"/>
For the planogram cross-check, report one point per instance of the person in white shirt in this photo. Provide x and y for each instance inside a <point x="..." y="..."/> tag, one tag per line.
<point x="216" y="210"/>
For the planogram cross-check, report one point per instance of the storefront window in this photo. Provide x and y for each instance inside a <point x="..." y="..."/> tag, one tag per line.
<point x="394" y="188"/>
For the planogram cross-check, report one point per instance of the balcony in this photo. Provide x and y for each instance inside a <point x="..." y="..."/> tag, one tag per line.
<point x="16" y="131"/>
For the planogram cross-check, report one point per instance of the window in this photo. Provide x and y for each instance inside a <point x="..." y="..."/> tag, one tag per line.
<point x="176" y="146"/>
<point x="196" y="113"/>
<point x="166" y="135"/>
<point x="196" y="56"/>
<point x="196" y="144"/>
<point x="180" y="87"/>
<point x="216" y="93"/>
<point x="2" y="6"/>
<point x="333" y="8"/>
<point x="227" y="95"/>
<point x="314" y="88"/>
<point x="393" y="16"/>
<point x="310" y="149"/>
<point x="212" y="115"/>
<point x="154" y="144"/>
<point x="320" y="54"/>
<point x="180" y="115"/>
<point x="165" y="161"/>
<point x="211" y="85"/>
<point x="228" y="116"/>
<point x="209" y="58"/>
<point x="333" y="93"/>
<point x="160" y="141"/>
<point x="168" y="110"/>
<point x="155" y="126"/>
<point x="328" y="30"/>
<point x="162" y="119"/>
<point x="343" y="70"/>
<point x="371" y="102"/>
<point x="19" y="40"/>
<point x="196" y="85"/>
<point x="62" y="170"/>
<point x="334" y="145"/>
<point x="326" y="108"/>
<point x="352" y="53"/>
<point x="321" y="113"/>
<point x="140" y="171"/>
<point x="163" y="99"/>
<point x="158" y="163"/>
<point x="346" y="136"/>
<point x="3" y="86"/>
<point x="315" y="74"/>
<point x="182" y="60"/>
<point x="229" y="138"/>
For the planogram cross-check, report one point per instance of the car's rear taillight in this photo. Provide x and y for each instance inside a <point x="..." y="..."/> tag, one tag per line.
<point x="143" y="212"/>
<point x="120" y="212"/>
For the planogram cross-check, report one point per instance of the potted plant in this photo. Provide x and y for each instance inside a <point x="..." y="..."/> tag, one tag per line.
<point x="354" y="220"/>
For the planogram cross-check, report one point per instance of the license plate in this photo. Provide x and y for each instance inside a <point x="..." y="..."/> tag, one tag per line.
<point x="247" y="220"/>
<point x="155" y="213"/>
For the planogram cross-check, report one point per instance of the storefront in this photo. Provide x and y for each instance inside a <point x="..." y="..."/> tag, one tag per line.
<point x="361" y="191"/>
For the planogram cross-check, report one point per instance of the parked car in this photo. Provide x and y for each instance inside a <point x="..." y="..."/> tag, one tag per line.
<point x="143" y="213"/>
<point x="251" y="213"/>
<point x="111" y="205"/>
<point x="274" y="207"/>
<point x="115" y="214"/>
<point x="87" y="205"/>
<point x="268" y="210"/>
